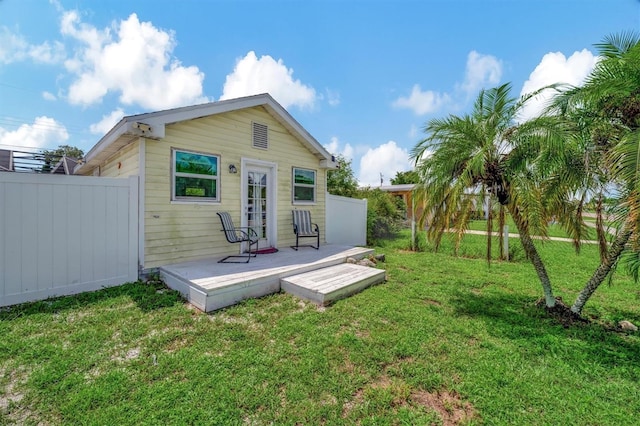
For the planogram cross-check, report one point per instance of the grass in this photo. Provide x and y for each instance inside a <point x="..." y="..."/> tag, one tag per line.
<point x="554" y="230"/>
<point x="446" y="340"/>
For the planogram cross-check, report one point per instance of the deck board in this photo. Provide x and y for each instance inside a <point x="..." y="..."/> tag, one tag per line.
<point x="210" y="285"/>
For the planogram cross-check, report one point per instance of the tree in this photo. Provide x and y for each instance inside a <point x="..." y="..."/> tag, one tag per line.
<point x="403" y="178"/>
<point x="612" y="94"/>
<point x="486" y="157"/>
<point x="342" y="181"/>
<point x="51" y="157"/>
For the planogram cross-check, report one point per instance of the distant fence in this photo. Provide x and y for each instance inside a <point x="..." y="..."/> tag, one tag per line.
<point x="346" y="221"/>
<point x="62" y="235"/>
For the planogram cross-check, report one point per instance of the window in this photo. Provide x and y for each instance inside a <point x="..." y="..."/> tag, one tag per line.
<point x="304" y="185"/>
<point x="195" y="176"/>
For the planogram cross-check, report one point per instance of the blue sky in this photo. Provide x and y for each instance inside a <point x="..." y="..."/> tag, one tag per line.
<point x="362" y="77"/>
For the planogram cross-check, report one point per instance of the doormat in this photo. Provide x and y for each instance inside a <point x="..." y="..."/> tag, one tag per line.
<point x="266" y="250"/>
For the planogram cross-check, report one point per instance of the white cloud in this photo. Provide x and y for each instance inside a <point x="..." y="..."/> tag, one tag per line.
<point x="556" y="68"/>
<point x="413" y="131"/>
<point x="47" y="53"/>
<point x="333" y="97"/>
<point x="482" y="71"/>
<point x="14" y="48"/>
<point x="45" y="132"/>
<point x="48" y="96"/>
<point x="253" y="76"/>
<point x="334" y="147"/>
<point x="132" y="58"/>
<point x="387" y="159"/>
<point x="420" y="102"/>
<point x="107" y="122"/>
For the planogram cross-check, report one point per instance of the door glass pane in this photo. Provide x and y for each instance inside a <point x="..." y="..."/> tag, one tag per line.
<point x="257" y="202"/>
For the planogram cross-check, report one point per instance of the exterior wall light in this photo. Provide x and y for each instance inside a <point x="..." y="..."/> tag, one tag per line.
<point x="232" y="168"/>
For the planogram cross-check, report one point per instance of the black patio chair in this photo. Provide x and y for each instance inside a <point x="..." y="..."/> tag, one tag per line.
<point x="238" y="235"/>
<point x="304" y="228"/>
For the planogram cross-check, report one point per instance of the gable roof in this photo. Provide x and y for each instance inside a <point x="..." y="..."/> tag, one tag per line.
<point x="152" y="125"/>
<point x="65" y="166"/>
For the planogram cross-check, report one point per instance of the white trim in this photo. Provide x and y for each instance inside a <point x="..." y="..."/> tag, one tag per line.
<point x="272" y="195"/>
<point x="197" y="203"/>
<point x="142" y="172"/>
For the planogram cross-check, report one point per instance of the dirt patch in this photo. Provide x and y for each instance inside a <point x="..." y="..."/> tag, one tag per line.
<point x="562" y="313"/>
<point x="451" y="409"/>
<point x="431" y="302"/>
<point x="12" y="408"/>
<point x="11" y="395"/>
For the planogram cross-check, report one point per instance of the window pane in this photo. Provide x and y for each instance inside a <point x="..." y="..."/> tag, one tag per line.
<point x="188" y="162"/>
<point x="302" y="193"/>
<point x="195" y="187"/>
<point x="307" y="177"/>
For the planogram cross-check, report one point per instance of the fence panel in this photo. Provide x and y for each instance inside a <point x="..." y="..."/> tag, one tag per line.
<point x="346" y="221"/>
<point x="62" y="235"/>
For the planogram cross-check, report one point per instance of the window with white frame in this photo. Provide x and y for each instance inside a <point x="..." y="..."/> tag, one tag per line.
<point x="195" y="176"/>
<point x="304" y="185"/>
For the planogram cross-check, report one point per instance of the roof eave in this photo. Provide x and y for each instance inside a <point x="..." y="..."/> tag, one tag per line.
<point x="152" y="125"/>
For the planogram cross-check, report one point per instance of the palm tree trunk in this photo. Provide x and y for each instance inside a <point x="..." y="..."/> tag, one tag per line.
<point x="501" y="222"/>
<point x="602" y="239"/>
<point x="489" y="235"/>
<point x="532" y="254"/>
<point x="602" y="271"/>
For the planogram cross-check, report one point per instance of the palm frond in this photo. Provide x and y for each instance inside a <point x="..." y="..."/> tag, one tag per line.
<point x="616" y="45"/>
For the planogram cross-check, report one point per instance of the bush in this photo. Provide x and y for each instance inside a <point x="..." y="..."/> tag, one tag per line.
<point x="384" y="215"/>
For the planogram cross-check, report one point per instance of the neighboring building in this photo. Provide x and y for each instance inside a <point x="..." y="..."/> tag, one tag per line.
<point x="6" y="160"/>
<point x="65" y="166"/>
<point x="405" y="192"/>
<point x="246" y="156"/>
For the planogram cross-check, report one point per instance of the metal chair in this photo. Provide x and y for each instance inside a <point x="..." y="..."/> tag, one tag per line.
<point x="238" y="235"/>
<point x="304" y="228"/>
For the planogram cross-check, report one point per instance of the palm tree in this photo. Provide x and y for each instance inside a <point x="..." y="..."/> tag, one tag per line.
<point x="577" y="173"/>
<point x="611" y="97"/>
<point x="487" y="157"/>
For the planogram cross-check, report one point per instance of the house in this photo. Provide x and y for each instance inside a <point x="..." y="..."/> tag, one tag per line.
<point x="247" y="156"/>
<point x="64" y="166"/>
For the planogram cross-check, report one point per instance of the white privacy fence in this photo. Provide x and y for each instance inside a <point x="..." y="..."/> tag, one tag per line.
<point x="62" y="235"/>
<point x="346" y="221"/>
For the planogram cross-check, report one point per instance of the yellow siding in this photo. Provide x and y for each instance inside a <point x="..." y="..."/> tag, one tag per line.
<point x="122" y="164"/>
<point x="176" y="232"/>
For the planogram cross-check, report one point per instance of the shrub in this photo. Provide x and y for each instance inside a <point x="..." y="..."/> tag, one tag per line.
<point x="384" y="215"/>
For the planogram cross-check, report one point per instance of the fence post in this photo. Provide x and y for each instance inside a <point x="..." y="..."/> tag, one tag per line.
<point x="505" y="245"/>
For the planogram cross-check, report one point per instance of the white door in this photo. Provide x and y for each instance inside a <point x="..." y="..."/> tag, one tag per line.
<point x="258" y="202"/>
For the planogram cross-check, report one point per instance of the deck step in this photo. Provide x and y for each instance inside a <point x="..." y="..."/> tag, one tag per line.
<point x="326" y="285"/>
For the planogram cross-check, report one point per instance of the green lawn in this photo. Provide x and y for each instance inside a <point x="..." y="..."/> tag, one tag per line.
<point x="445" y="340"/>
<point x="555" y="230"/>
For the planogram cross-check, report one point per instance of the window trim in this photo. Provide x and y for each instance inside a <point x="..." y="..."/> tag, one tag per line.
<point x="303" y="185"/>
<point x="193" y="199"/>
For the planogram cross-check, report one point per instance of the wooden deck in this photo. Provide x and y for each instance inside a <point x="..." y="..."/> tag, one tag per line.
<point x="326" y="285"/>
<point x="210" y="285"/>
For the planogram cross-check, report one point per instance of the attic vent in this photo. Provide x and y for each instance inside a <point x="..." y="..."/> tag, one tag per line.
<point x="260" y="136"/>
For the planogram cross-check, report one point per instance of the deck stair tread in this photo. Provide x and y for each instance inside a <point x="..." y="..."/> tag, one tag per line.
<point x="328" y="284"/>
